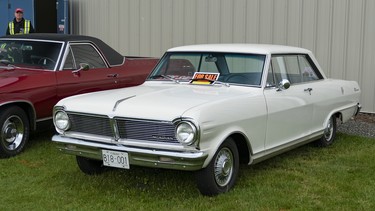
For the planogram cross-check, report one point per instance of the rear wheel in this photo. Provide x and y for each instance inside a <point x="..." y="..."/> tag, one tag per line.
<point x="90" y="166"/>
<point x="329" y="133"/>
<point x="221" y="173"/>
<point x="14" y="131"/>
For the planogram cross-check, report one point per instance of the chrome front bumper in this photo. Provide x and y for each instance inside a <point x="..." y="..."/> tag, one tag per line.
<point x="156" y="158"/>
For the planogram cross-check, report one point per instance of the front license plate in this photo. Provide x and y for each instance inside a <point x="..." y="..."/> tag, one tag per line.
<point x="115" y="159"/>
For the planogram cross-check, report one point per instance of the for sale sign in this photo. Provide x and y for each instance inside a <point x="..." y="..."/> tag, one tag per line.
<point x="204" y="78"/>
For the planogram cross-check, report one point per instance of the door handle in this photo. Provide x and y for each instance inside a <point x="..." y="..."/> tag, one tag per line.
<point x="308" y="90"/>
<point x="113" y="75"/>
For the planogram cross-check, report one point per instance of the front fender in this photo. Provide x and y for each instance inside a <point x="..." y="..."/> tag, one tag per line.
<point x="213" y="137"/>
<point x="27" y="106"/>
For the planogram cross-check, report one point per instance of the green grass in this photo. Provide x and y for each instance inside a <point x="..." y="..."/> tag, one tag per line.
<point x="340" y="177"/>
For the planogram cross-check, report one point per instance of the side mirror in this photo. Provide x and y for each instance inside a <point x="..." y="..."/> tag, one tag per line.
<point x="82" y="66"/>
<point x="283" y="85"/>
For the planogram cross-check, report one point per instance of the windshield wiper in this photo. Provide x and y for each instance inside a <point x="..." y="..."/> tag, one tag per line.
<point x="222" y="83"/>
<point x="166" y="77"/>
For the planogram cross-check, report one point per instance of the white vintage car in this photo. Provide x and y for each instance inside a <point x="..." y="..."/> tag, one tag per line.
<point x="208" y="108"/>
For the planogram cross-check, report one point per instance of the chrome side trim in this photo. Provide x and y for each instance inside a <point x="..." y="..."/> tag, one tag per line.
<point x="44" y="119"/>
<point x="264" y="155"/>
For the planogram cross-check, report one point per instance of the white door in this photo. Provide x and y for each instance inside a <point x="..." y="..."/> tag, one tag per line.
<point x="290" y="111"/>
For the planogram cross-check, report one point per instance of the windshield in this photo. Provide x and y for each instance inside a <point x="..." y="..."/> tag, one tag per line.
<point x="34" y="54"/>
<point x="245" y="69"/>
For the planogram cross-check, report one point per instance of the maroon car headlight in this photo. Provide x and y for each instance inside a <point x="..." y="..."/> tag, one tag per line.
<point x="61" y="121"/>
<point x="186" y="133"/>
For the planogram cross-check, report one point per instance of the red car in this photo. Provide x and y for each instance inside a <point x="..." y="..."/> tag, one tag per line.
<point x="37" y="70"/>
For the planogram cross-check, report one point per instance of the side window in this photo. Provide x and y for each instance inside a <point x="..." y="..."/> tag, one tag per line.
<point x="270" y="77"/>
<point x="295" y="68"/>
<point x="308" y="73"/>
<point x="86" y="53"/>
<point x="69" y="61"/>
<point x="279" y="68"/>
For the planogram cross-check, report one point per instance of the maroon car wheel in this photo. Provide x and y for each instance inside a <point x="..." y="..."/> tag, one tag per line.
<point x="14" y="131"/>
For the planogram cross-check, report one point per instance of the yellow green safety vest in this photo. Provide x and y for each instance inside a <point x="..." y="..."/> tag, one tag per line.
<point x="26" y="28"/>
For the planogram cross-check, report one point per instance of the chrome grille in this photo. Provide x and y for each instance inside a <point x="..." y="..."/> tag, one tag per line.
<point x="146" y="130"/>
<point x="97" y="125"/>
<point x="136" y="129"/>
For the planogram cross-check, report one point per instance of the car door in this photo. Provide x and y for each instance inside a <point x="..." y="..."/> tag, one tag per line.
<point x="290" y="111"/>
<point x="98" y="76"/>
<point x="321" y="93"/>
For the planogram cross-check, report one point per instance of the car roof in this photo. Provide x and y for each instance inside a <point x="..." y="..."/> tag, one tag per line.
<point x="241" y="48"/>
<point x="112" y="56"/>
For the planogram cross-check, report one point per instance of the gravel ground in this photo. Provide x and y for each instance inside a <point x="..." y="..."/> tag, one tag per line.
<point x="363" y="125"/>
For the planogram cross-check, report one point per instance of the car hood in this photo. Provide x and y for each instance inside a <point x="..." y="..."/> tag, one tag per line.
<point x="161" y="101"/>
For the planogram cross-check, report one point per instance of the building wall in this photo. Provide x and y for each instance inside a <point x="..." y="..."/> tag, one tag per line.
<point x="341" y="33"/>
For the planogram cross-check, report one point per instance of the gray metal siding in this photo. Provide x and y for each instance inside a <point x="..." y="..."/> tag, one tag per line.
<point x="341" y="33"/>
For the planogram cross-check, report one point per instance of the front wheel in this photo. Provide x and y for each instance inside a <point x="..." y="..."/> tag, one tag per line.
<point x="14" y="131"/>
<point x="329" y="133"/>
<point x="221" y="173"/>
<point x="90" y="166"/>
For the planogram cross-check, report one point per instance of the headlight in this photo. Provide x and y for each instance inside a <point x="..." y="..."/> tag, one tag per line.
<point x="61" y="120"/>
<point x="186" y="133"/>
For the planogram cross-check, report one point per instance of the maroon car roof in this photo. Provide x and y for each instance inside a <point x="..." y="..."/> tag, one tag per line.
<point x="112" y="56"/>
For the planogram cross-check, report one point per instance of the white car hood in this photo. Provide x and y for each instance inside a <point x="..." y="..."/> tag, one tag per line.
<point x="159" y="101"/>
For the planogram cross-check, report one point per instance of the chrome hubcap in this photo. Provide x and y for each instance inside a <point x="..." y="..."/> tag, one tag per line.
<point x="223" y="167"/>
<point x="12" y="132"/>
<point x="328" y="132"/>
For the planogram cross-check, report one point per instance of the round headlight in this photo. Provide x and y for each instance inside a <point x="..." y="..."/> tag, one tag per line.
<point x="186" y="133"/>
<point x="62" y="120"/>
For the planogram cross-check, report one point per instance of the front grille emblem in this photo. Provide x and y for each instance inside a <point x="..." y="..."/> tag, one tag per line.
<point x="163" y="138"/>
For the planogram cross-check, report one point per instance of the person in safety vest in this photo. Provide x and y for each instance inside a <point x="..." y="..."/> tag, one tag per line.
<point x="19" y="25"/>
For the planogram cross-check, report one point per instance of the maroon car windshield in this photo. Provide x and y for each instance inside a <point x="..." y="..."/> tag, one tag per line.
<point x="26" y="53"/>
